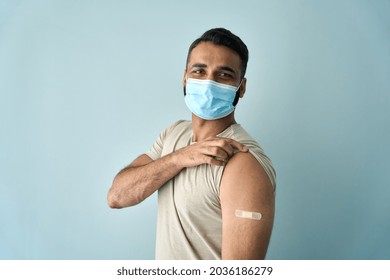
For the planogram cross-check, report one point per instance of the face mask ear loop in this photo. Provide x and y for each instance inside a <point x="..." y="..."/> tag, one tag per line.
<point x="184" y="87"/>
<point x="237" y="97"/>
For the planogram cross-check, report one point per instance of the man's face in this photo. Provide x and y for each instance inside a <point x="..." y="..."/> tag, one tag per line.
<point x="213" y="62"/>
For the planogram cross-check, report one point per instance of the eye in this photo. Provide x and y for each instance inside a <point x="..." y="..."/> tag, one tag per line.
<point x="197" y="72"/>
<point x="225" y="75"/>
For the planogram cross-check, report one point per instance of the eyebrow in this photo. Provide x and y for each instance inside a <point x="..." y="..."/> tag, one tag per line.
<point x="227" y="68"/>
<point x="198" y="65"/>
<point x="202" y="65"/>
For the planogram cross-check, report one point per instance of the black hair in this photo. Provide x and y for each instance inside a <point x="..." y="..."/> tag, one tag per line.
<point x="223" y="37"/>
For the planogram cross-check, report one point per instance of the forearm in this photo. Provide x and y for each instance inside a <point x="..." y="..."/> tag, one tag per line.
<point x="135" y="183"/>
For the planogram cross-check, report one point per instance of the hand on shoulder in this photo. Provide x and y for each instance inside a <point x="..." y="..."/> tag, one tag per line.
<point x="214" y="151"/>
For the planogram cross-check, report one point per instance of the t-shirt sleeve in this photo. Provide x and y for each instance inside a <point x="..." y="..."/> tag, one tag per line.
<point x="157" y="148"/>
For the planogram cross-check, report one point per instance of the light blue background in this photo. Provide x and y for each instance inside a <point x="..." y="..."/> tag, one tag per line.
<point x="86" y="86"/>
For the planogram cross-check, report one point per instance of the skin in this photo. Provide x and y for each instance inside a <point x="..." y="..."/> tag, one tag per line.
<point x="244" y="185"/>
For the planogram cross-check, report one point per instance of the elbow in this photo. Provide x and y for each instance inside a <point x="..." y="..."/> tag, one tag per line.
<point x="117" y="200"/>
<point x="115" y="203"/>
<point x="113" y="200"/>
<point x="114" y="196"/>
<point x="122" y="194"/>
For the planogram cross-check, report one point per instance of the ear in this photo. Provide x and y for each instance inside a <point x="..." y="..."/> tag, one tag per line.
<point x="243" y="88"/>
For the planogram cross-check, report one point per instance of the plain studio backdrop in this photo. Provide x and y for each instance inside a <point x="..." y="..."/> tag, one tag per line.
<point x="87" y="86"/>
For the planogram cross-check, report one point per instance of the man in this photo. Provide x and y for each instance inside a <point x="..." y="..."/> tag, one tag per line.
<point x="215" y="185"/>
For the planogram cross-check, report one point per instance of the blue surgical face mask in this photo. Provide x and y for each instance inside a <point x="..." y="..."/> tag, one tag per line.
<point x="208" y="99"/>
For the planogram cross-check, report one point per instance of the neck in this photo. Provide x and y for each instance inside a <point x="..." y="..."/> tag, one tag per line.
<point x="203" y="129"/>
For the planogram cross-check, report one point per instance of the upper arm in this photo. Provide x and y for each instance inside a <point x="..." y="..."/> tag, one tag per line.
<point x="141" y="160"/>
<point x="245" y="186"/>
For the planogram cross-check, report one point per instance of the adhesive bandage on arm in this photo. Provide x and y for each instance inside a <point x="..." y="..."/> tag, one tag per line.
<point x="248" y="215"/>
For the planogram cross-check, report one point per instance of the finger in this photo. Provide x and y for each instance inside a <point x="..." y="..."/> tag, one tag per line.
<point x="229" y="145"/>
<point x="216" y="151"/>
<point x="240" y="147"/>
<point x="226" y="146"/>
<point x="216" y="161"/>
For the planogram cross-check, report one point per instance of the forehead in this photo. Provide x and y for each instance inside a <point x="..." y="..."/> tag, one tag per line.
<point x="214" y="55"/>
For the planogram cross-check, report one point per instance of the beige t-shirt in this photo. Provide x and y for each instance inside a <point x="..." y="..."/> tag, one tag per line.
<point x="189" y="221"/>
